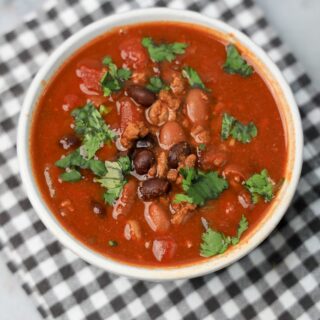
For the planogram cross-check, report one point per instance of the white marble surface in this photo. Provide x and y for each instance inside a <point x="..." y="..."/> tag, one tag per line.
<point x="298" y="23"/>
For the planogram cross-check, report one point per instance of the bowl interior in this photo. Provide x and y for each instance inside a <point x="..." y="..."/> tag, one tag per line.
<point x="270" y="73"/>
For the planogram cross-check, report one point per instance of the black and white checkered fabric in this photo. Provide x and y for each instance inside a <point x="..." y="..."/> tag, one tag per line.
<point x="278" y="280"/>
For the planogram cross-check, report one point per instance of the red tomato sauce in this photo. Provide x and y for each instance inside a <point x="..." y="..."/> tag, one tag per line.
<point x="165" y="243"/>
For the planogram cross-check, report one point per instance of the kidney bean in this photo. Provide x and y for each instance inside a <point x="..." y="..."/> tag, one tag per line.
<point x="170" y="134"/>
<point x="153" y="188"/>
<point x="164" y="249"/>
<point x="197" y="103"/>
<point x="177" y="152"/>
<point x="68" y="141"/>
<point x="157" y="218"/>
<point x="127" y="199"/>
<point x="132" y="230"/>
<point x="143" y="160"/>
<point x="98" y="208"/>
<point x="141" y="95"/>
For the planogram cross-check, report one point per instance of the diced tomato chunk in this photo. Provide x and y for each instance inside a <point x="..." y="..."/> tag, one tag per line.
<point x="129" y="112"/>
<point x="133" y="53"/>
<point x="90" y="77"/>
<point x="164" y="248"/>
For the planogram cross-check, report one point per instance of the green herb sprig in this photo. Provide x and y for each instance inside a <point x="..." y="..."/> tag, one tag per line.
<point x="91" y="126"/>
<point x="156" y="84"/>
<point x="193" y="78"/>
<point x="164" y="51"/>
<point x="215" y="242"/>
<point x="240" y="132"/>
<point x="114" y="178"/>
<point x="114" y="78"/>
<point x="200" y="186"/>
<point x="235" y="63"/>
<point x="260" y="184"/>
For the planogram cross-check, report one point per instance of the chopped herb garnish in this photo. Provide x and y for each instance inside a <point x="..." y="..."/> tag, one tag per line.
<point x="163" y="51"/>
<point x="180" y="197"/>
<point x="202" y="147"/>
<point x="156" y="84"/>
<point x="97" y="167"/>
<point x="71" y="176"/>
<point x="112" y="243"/>
<point x="193" y="78"/>
<point x="240" y="132"/>
<point x="90" y="124"/>
<point x="200" y="186"/>
<point x="235" y="63"/>
<point x="104" y="110"/>
<point x="125" y="164"/>
<point x="75" y="160"/>
<point x="215" y="242"/>
<point x="113" y="78"/>
<point x="260" y="184"/>
<point x="114" y="179"/>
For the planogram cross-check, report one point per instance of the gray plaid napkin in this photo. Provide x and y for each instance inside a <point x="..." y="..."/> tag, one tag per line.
<point x="278" y="280"/>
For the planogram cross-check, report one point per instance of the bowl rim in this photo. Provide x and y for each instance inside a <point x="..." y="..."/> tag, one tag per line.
<point x="183" y="271"/>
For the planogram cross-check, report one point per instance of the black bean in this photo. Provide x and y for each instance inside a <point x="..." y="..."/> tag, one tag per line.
<point x="143" y="160"/>
<point x="147" y="142"/>
<point x="98" y="208"/>
<point x="154" y="188"/>
<point x="177" y="152"/>
<point x="68" y="141"/>
<point x="141" y="95"/>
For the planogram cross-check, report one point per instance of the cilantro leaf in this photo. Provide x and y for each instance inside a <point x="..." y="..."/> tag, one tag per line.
<point x="215" y="242"/>
<point x="208" y="186"/>
<point x="243" y="226"/>
<point x="244" y="133"/>
<point x="260" y="184"/>
<point x="90" y="124"/>
<point x="114" y="180"/>
<point x="239" y="131"/>
<point x="97" y="167"/>
<point x="71" y="176"/>
<point x="189" y="174"/>
<point x="163" y="51"/>
<point x="114" y="78"/>
<point x="156" y="84"/>
<point x="180" y="197"/>
<point x="235" y="63"/>
<point x="200" y="186"/>
<point x="193" y="78"/>
<point x="75" y="160"/>
<point x="202" y="147"/>
<point x="226" y="127"/>
<point x="125" y="164"/>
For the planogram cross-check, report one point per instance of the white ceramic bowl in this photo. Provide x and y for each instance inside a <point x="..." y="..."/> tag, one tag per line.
<point x="278" y="86"/>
